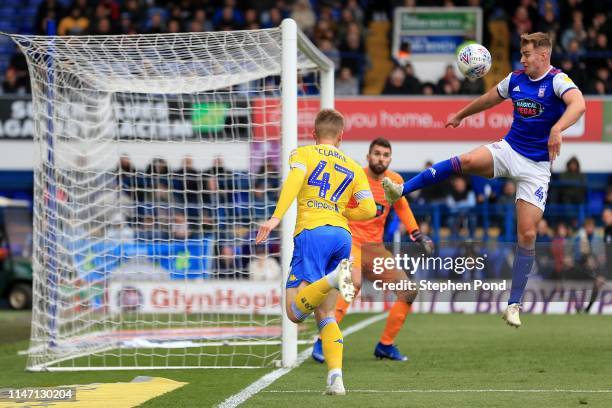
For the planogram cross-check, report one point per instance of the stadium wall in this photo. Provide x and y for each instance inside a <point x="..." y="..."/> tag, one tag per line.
<point x="414" y="125"/>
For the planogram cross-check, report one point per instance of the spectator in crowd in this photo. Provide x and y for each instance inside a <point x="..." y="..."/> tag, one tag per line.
<point x="103" y="27"/>
<point x="355" y="9"/>
<point x="268" y="175"/>
<point x="573" y="183"/>
<point x="179" y="227"/>
<point x="589" y="251"/>
<point x="561" y="252"/>
<point x="574" y="71"/>
<point x="346" y="84"/>
<point x="543" y="234"/>
<point x="353" y="51"/>
<point x="428" y="89"/>
<point x="470" y="86"/>
<point x="574" y="51"/>
<point x="156" y="24"/>
<point x="261" y="205"/>
<point x="460" y="203"/>
<point x="548" y="23"/>
<point x="601" y="84"/>
<point x="449" y="83"/>
<point x="304" y="16"/>
<point x="200" y="18"/>
<point x="264" y="267"/>
<point x="395" y="82"/>
<point x="508" y="196"/>
<point x="134" y="10"/>
<point x="598" y="52"/>
<point x="272" y="18"/>
<point x="47" y="10"/>
<point x="174" y="26"/>
<point x="12" y="84"/>
<point x="127" y="179"/>
<point x="412" y="85"/>
<point x="576" y="32"/>
<point x="228" y="18"/>
<point x="188" y="182"/>
<point x="251" y="19"/>
<point x="75" y="23"/>
<point x="328" y="48"/>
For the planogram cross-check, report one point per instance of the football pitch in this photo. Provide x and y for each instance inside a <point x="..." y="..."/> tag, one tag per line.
<point x="455" y="361"/>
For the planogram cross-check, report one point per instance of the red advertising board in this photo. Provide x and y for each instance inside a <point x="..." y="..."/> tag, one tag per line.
<point x="421" y="120"/>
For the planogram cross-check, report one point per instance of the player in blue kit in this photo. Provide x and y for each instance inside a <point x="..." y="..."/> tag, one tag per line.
<point x="546" y="102"/>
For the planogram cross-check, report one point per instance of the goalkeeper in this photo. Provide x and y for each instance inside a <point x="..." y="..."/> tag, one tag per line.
<point x="371" y="233"/>
<point x="323" y="179"/>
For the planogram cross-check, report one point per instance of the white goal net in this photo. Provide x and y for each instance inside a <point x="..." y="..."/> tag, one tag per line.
<point x="157" y="157"/>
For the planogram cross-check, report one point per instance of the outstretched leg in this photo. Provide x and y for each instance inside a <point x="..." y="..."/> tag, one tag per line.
<point x="477" y="162"/>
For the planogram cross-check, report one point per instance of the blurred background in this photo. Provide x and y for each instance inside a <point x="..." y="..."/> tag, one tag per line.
<point x="395" y="78"/>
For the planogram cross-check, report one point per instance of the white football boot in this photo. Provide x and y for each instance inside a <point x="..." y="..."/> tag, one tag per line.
<point x="511" y="315"/>
<point x="336" y="387"/>
<point x="393" y="191"/>
<point x="345" y="280"/>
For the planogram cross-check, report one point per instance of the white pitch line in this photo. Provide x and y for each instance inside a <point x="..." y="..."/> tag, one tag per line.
<point x="269" y="378"/>
<point x="444" y="391"/>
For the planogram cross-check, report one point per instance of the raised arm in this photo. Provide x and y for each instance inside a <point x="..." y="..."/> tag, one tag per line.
<point x="290" y="190"/>
<point x="575" y="108"/>
<point x="483" y="102"/>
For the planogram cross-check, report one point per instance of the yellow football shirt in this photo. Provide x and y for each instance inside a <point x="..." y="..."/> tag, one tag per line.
<point x="332" y="178"/>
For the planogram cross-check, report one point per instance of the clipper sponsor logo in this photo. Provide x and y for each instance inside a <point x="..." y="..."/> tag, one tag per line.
<point x="321" y="205"/>
<point x="528" y="108"/>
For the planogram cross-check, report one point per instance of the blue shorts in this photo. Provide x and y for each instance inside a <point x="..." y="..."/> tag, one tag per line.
<point x="317" y="252"/>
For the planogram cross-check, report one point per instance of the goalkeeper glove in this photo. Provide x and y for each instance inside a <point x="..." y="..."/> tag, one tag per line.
<point x="423" y="241"/>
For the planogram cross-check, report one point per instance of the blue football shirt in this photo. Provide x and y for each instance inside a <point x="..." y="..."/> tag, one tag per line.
<point x="538" y="105"/>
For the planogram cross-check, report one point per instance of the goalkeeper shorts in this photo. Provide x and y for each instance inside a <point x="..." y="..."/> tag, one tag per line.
<point x="317" y="252"/>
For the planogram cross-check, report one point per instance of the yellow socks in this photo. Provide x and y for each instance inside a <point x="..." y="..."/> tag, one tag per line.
<point x="333" y="344"/>
<point x="310" y="297"/>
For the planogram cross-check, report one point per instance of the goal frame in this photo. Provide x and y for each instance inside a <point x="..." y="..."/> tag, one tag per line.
<point x="293" y="42"/>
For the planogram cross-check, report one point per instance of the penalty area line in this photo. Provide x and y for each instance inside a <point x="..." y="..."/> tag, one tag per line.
<point x="444" y="391"/>
<point x="269" y="378"/>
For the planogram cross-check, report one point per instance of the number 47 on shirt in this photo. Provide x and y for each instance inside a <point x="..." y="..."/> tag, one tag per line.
<point x="323" y="182"/>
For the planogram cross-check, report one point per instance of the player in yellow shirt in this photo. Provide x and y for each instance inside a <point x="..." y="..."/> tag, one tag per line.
<point x="323" y="179"/>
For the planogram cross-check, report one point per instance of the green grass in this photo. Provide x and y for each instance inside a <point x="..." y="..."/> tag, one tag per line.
<point x="447" y="352"/>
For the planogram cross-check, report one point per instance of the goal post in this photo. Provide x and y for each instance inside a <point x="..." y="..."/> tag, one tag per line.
<point x="157" y="158"/>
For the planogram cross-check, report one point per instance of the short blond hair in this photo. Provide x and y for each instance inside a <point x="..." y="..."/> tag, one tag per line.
<point x="539" y="40"/>
<point x="329" y="123"/>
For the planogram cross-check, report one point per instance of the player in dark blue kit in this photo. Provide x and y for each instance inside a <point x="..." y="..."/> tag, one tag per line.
<point x="546" y="102"/>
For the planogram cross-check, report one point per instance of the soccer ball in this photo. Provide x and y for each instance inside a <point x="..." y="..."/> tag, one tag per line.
<point x="474" y="61"/>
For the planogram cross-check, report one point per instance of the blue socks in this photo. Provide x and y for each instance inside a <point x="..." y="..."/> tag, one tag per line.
<point x="435" y="174"/>
<point x="523" y="262"/>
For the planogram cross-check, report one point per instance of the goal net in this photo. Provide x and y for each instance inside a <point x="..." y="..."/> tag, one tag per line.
<point x="157" y="158"/>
